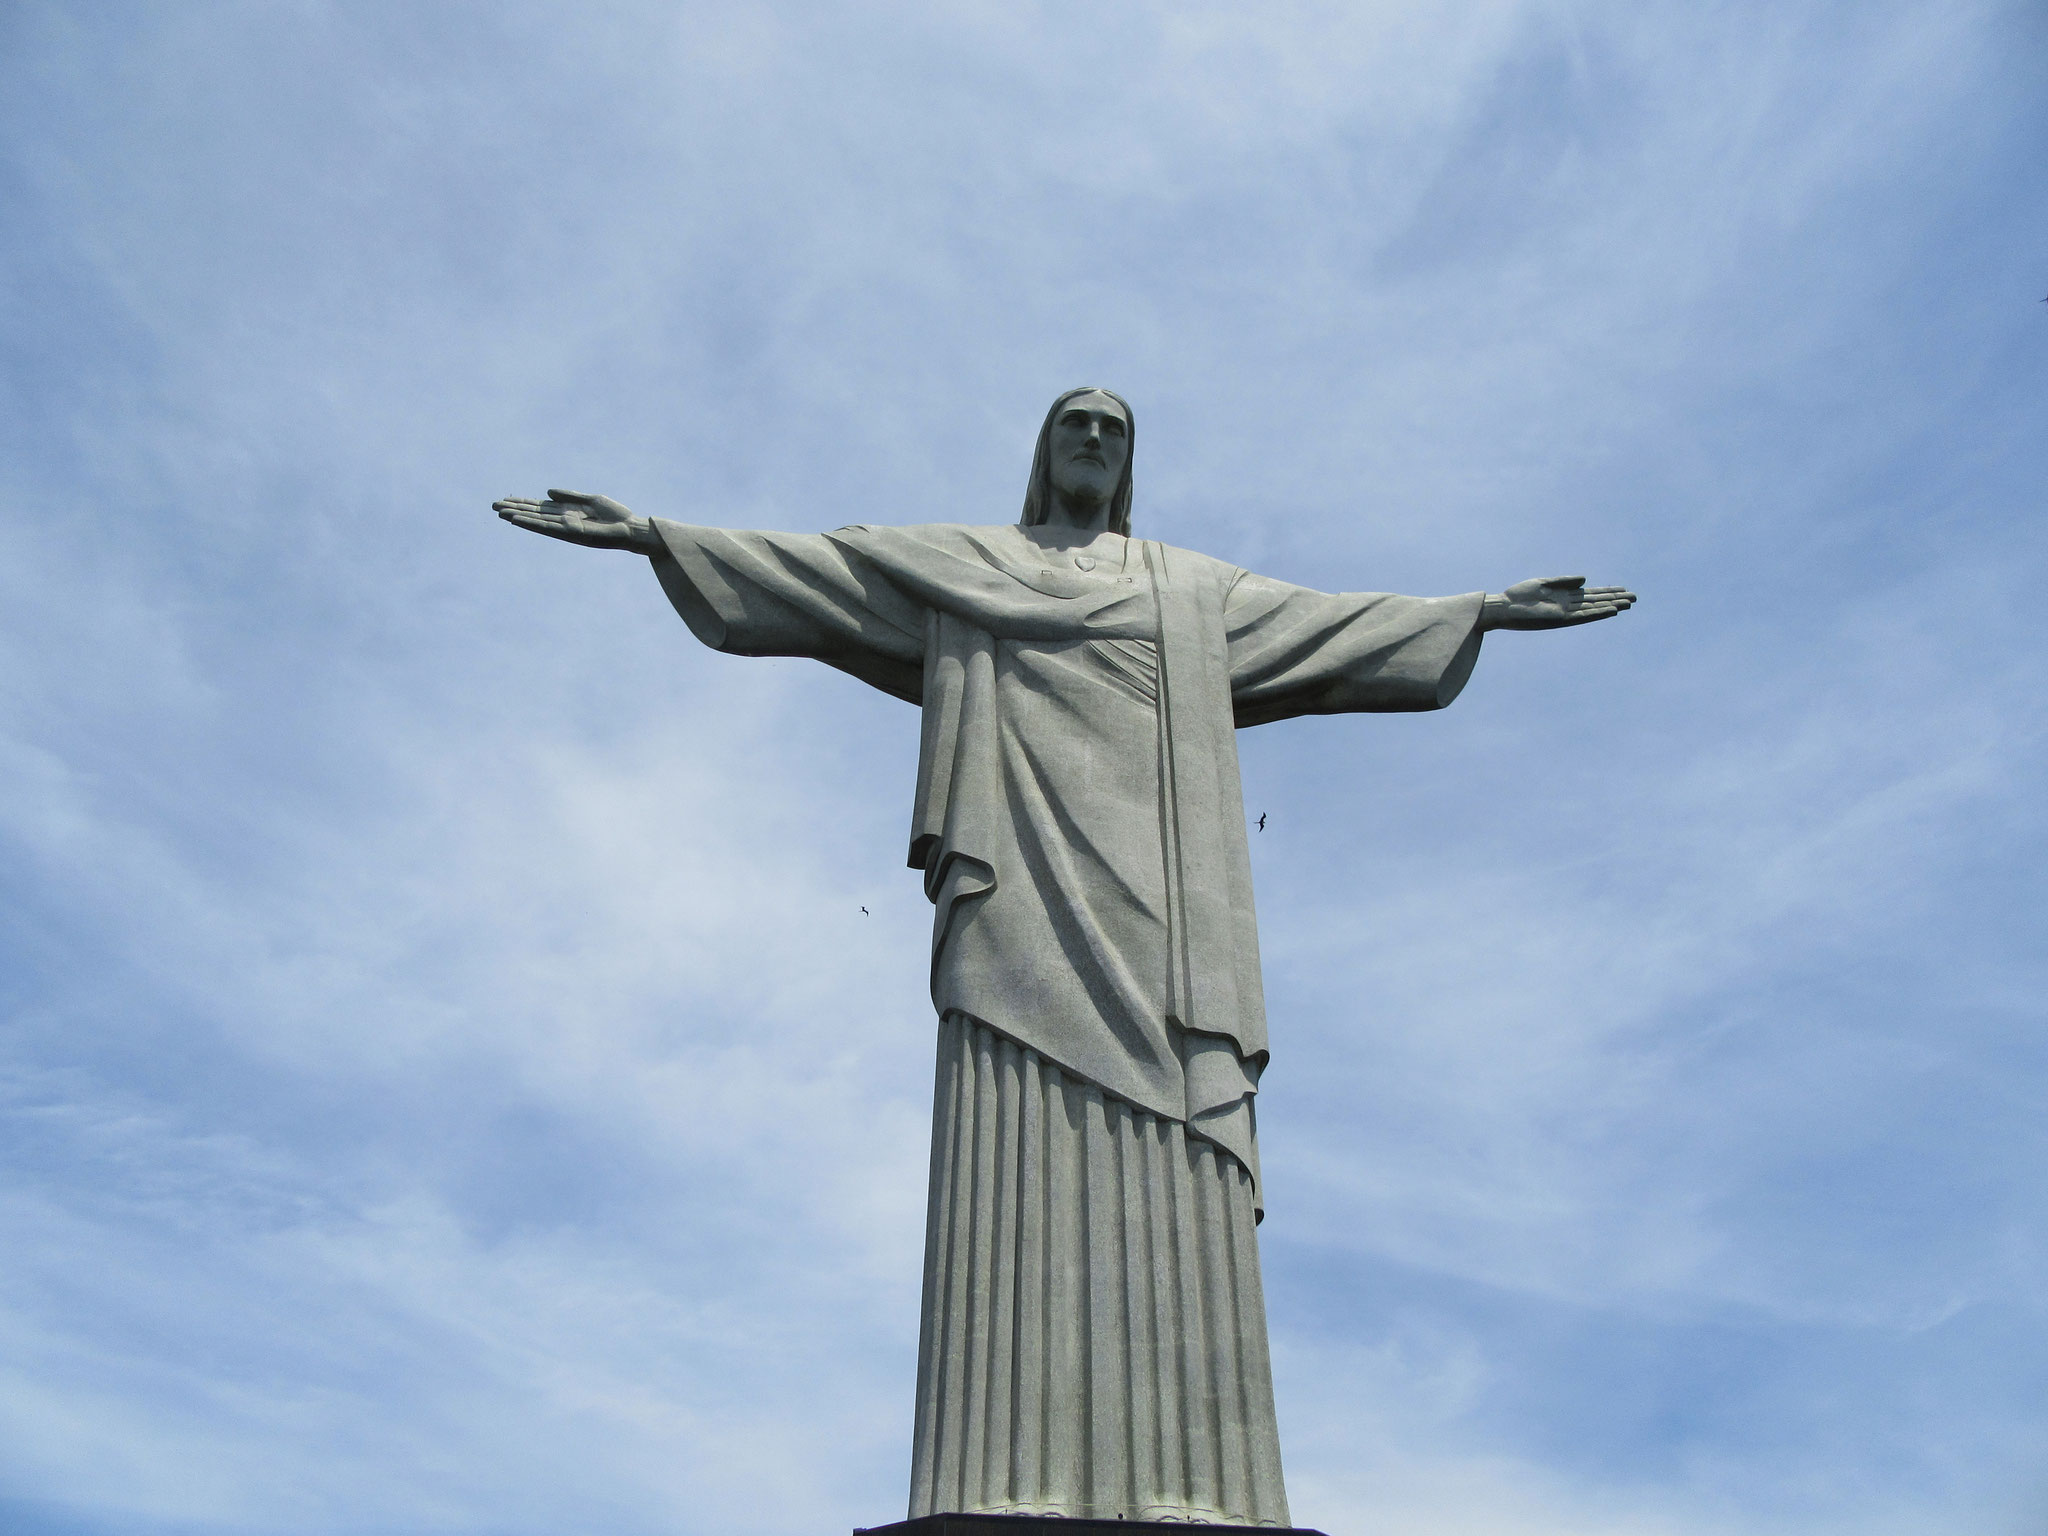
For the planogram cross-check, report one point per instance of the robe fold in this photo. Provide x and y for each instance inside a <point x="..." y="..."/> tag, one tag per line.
<point x="1093" y="1339"/>
<point x="1078" y="819"/>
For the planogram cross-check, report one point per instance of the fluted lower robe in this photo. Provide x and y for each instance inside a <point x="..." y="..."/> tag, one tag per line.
<point x="1094" y="1330"/>
<point x="1080" y="828"/>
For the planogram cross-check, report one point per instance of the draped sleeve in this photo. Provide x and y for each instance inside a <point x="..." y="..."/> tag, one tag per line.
<point x="1295" y="651"/>
<point x="795" y="594"/>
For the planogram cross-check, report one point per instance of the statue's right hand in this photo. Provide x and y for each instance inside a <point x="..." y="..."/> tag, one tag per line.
<point x="596" y="521"/>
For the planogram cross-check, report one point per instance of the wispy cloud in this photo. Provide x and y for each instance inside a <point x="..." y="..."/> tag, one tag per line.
<point x="450" y="1081"/>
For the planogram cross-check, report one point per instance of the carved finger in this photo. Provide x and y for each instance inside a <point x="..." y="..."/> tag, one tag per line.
<point x="1564" y="581"/>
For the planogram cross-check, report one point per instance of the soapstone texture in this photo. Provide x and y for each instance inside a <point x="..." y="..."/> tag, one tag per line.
<point x="1093" y="1340"/>
<point x="1078" y="817"/>
<point x="1095" y="1334"/>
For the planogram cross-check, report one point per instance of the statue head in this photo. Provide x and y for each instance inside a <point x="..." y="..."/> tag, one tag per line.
<point x="1066" y="460"/>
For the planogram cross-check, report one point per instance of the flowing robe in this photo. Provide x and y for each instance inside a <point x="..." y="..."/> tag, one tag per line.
<point x="1080" y="827"/>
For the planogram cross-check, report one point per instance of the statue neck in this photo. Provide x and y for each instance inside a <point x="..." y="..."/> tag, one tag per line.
<point x="1067" y="511"/>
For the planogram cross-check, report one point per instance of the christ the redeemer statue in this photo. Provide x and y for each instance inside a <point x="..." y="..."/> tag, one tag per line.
<point x="1094" y="1331"/>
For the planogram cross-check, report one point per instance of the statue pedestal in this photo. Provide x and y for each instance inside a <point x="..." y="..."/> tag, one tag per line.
<point x="1059" y="1525"/>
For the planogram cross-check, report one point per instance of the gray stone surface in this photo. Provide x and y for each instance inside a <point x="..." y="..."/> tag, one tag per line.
<point x="1095" y="1320"/>
<point x="1080" y="830"/>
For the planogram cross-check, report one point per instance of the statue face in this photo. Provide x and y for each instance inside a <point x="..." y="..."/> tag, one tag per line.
<point x="1089" y="446"/>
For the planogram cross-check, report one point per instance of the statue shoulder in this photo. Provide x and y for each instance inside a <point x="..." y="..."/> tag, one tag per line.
<point x="936" y="535"/>
<point x="1192" y="564"/>
<point x="963" y="541"/>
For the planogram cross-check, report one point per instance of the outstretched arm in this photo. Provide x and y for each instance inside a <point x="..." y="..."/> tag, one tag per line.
<point x="578" y="518"/>
<point x="1294" y="651"/>
<point x="1552" y="602"/>
<point x="756" y="594"/>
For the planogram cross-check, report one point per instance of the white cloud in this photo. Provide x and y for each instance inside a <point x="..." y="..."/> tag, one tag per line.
<point x="452" y="1083"/>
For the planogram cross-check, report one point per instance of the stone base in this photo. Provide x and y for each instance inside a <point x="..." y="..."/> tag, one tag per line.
<point x="1059" y="1525"/>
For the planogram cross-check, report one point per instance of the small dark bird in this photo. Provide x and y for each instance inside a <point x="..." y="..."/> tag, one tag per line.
<point x="864" y="912"/>
<point x="1262" y="821"/>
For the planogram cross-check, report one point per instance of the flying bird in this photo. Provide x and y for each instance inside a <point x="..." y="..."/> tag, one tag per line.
<point x="864" y="912"/>
<point x="1262" y="821"/>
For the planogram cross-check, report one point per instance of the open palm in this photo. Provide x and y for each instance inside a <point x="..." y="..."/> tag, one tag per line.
<point x="595" y="521"/>
<point x="1553" y="602"/>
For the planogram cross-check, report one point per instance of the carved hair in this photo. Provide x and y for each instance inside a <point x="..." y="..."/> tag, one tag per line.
<point x="1038" y="494"/>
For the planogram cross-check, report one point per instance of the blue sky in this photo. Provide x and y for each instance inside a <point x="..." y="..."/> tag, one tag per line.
<point x="450" y="1085"/>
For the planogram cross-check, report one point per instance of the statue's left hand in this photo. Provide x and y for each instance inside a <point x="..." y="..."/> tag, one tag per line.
<point x="1553" y="602"/>
<point x="595" y="521"/>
